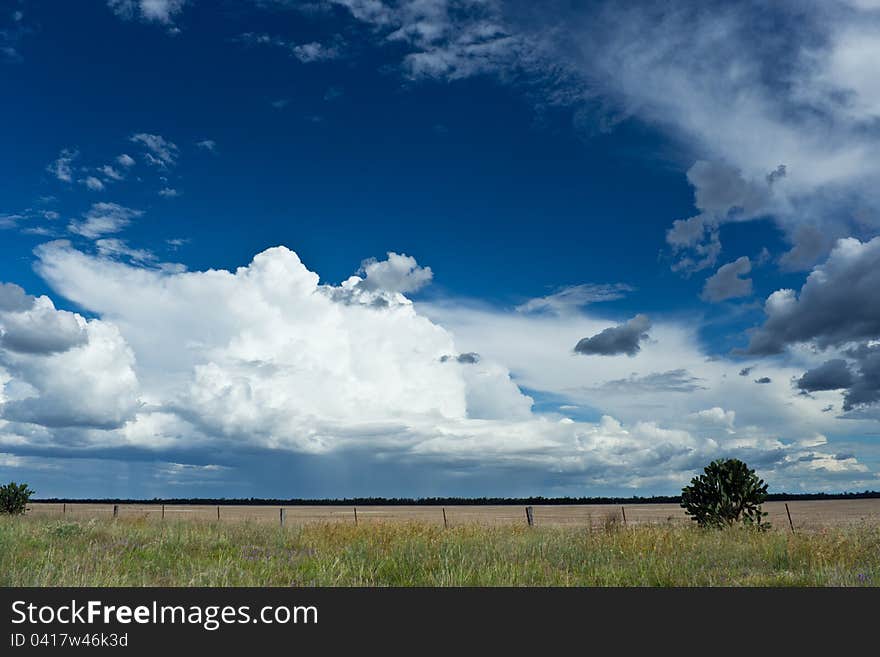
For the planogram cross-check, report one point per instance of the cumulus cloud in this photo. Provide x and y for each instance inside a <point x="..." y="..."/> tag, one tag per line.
<point x="838" y="303"/>
<point x="265" y="360"/>
<point x="169" y="192"/>
<point x="831" y="375"/>
<point x="63" y="370"/>
<point x="722" y="194"/>
<point x="727" y="282"/>
<point x="575" y="296"/>
<point x="623" y="339"/>
<point x="864" y="390"/>
<point x="40" y="329"/>
<point x="716" y="416"/>
<point x="13" y="298"/>
<point x="160" y="152"/>
<point x="104" y="218"/>
<point x="398" y="273"/>
<point x="125" y="160"/>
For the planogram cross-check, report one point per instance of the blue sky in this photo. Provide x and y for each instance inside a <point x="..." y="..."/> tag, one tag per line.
<point x="437" y="247"/>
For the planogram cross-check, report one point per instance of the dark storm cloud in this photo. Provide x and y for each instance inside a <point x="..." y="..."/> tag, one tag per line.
<point x="830" y="375"/>
<point x="865" y="388"/>
<point x="746" y="371"/>
<point x="764" y="379"/>
<point x="838" y="303"/>
<point x="622" y="339"/>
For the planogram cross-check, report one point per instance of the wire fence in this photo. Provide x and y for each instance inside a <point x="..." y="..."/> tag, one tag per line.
<point x="793" y="515"/>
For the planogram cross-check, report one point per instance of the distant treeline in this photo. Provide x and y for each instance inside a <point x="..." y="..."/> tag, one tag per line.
<point x="446" y="501"/>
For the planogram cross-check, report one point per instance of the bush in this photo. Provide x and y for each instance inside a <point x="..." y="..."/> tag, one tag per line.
<point x="14" y="498"/>
<point x="729" y="492"/>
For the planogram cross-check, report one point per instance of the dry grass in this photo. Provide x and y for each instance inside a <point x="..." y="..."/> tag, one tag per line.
<point x="46" y="551"/>
<point x="806" y="514"/>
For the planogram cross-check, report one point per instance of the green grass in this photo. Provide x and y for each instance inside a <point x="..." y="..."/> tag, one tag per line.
<point x="38" y="551"/>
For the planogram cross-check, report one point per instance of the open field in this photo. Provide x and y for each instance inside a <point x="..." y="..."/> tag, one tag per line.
<point x="39" y="550"/>
<point x="806" y="515"/>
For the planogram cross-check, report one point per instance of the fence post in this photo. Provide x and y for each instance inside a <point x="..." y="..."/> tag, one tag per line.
<point x="355" y="516"/>
<point x="445" y="524"/>
<point x="530" y="516"/>
<point x="623" y="511"/>
<point x="218" y="512"/>
<point x="163" y="512"/>
<point x="64" y="509"/>
<point x="281" y="516"/>
<point x="790" y="524"/>
<point x="115" y="510"/>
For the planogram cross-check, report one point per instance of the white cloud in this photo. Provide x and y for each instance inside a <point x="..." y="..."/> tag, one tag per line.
<point x="169" y="192"/>
<point x="314" y="52"/>
<point x="110" y="173"/>
<point x="93" y="183"/>
<point x="399" y="273"/>
<point x="61" y="167"/>
<point x="159" y="11"/>
<point x="63" y="371"/>
<point x="669" y="379"/>
<point x="160" y="151"/>
<point x="104" y="218"/>
<point x="450" y="40"/>
<point x="778" y="123"/>
<point x="111" y="247"/>
<point x="267" y="358"/>
<point x="125" y="160"/>
<point x="573" y="297"/>
<point x="207" y="144"/>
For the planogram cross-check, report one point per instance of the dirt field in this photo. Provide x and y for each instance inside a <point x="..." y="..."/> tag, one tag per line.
<point x="805" y="514"/>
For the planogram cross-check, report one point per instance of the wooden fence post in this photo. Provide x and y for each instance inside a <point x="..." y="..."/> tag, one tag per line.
<point x="163" y="512"/>
<point x="281" y="516"/>
<point x="218" y="512"/>
<point x="790" y="524"/>
<point x="623" y="511"/>
<point x="115" y="510"/>
<point x="445" y="524"/>
<point x="530" y="516"/>
<point x="64" y="509"/>
<point x="355" y="516"/>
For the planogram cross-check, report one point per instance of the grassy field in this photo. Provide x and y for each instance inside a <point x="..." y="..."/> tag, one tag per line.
<point x="40" y="550"/>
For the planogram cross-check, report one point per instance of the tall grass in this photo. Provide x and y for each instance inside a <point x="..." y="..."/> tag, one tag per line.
<point x="37" y="551"/>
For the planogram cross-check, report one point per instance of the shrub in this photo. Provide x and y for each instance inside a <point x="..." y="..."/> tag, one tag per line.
<point x="14" y="498"/>
<point x="727" y="493"/>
